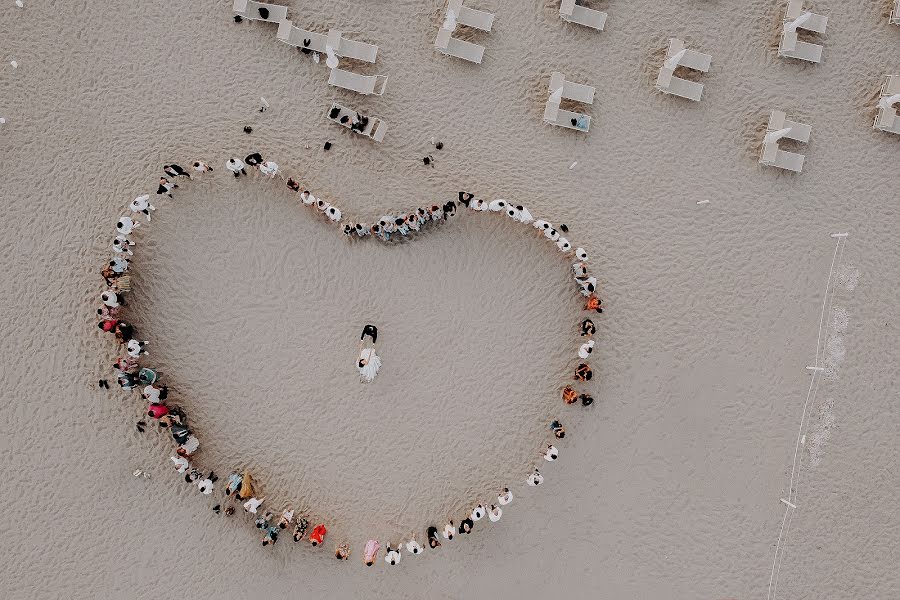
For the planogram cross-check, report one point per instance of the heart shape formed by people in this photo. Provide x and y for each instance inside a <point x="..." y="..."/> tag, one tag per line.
<point x="254" y="318"/>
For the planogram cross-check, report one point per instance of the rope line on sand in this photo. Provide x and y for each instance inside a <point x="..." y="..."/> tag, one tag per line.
<point x="791" y="501"/>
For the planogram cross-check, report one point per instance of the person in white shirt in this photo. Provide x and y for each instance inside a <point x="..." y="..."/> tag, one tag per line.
<point x="123" y="245"/>
<point x="535" y="478"/>
<point x="110" y="299"/>
<point x="181" y="463"/>
<point x="497" y="205"/>
<point x="413" y="547"/>
<point x="252" y="504"/>
<point x="206" y="485"/>
<point x="449" y="531"/>
<point x="563" y="245"/>
<point x="201" y="167"/>
<point x="269" y="168"/>
<point x="126" y="225"/>
<point x="141" y="204"/>
<point x="392" y="556"/>
<point x="581" y="254"/>
<point x="333" y="213"/>
<point x="524" y="215"/>
<point x="495" y="513"/>
<point x="118" y="264"/>
<point x="286" y="517"/>
<point x="478" y="512"/>
<point x="551" y="453"/>
<point x="236" y="166"/>
<point x="551" y="234"/>
<point x="307" y="198"/>
<point x="586" y="349"/>
<point x="189" y="446"/>
<point x="505" y="497"/>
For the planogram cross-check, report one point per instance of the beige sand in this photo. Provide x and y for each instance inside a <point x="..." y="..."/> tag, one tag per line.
<point x="668" y="487"/>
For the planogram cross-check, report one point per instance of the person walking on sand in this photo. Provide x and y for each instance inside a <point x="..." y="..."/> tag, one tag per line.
<point x="166" y="187"/>
<point x="236" y="166"/>
<point x="141" y="204"/>
<point x="369" y="362"/>
<point x="495" y="513"/>
<point x="175" y="171"/>
<point x="392" y="556"/>
<point x="201" y="167"/>
<point x="432" y="538"/>
<point x="505" y="497"/>
<point x="370" y="552"/>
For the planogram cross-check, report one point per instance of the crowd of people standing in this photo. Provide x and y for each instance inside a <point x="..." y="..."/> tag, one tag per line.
<point x="132" y="371"/>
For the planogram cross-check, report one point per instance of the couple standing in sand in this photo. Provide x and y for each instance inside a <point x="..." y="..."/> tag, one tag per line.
<point x="369" y="362"/>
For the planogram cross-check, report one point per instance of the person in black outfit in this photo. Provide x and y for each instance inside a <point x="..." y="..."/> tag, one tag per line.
<point x="253" y="159"/>
<point x="371" y="331"/>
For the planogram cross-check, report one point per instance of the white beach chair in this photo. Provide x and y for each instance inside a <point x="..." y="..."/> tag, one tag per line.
<point x="895" y="14"/>
<point x="459" y="48"/>
<point x="582" y="15"/>
<point x="361" y="84"/>
<point x="888" y="120"/>
<point x="351" y="48"/>
<point x="772" y="155"/>
<point x="471" y="17"/>
<point x="248" y="9"/>
<point x="375" y="129"/>
<point x="666" y="81"/>
<point x="577" y="92"/>
<point x="294" y="36"/>
<point x="790" y="46"/>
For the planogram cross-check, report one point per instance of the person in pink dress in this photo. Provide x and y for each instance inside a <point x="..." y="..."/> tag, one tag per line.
<point x="371" y="552"/>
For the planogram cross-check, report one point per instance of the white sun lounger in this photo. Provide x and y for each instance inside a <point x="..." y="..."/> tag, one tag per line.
<point x="249" y="9"/>
<point x="576" y="92"/>
<point x="895" y="14"/>
<point x="375" y="129"/>
<point x="772" y="155"/>
<point x="294" y="36"/>
<point x="460" y="49"/>
<point x="790" y="46"/>
<point x="582" y="15"/>
<point x="351" y="48"/>
<point x="571" y="91"/>
<point x="361" y="84"/>
<point x="470" y="17"/>
<point x="666" y="81"/>
<point x="888" y="119"/>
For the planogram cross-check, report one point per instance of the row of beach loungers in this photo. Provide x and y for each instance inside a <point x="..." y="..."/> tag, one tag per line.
<point x="677" y="56"/>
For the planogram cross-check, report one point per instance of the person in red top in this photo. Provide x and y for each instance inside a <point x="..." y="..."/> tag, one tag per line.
<point x="157" y="410"/>
<point x="318" y="535"/>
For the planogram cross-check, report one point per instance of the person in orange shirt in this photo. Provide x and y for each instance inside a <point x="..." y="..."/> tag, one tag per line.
<point x="569" y="395"/>
<point x="318" y="534"/>
<point x="593" y="303"/>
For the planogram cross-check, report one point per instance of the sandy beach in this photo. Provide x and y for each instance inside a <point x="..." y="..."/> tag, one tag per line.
<point x="669" y="486"/>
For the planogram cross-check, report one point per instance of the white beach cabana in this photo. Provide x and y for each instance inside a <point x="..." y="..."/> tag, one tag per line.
<point x="375" y="129"/>
<point x="888" y="119"/>
<point x="319" y="42"/>
<point x="582" y="15"/>
<point x="780" y="127"/>
<point x="796" y="18"/>
<point x="577" y="92"/>
<point x="457" y="14"/>
<point x="295" y="36"/>
<point x="679" y="56"/>
<point x="248" y="9"/>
